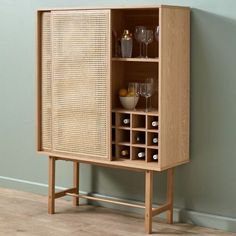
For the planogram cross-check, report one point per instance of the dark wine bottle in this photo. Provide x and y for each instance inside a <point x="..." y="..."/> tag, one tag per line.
<point x="140" y="138"/>
<point x="155" y="157"/>
<point x="113" y="150"/>
<point x="155" y="124"/>
<point x="113" y="119"/>
<point x="113" y="134"/>
<point x="124" y="153"/>
<point x="126" y="121"/>
<point x="141" y="155"/>
<point x="155" y="139"/>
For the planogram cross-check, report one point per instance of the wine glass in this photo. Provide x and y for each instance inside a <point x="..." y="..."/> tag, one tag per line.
<point x="156" y="32"/>
<point x="146" y="91"/>
<point x="147" y="39"/>
<point x="151" y="81"/>
<point x="134" y="90"/>
<point x="139" y="34"/>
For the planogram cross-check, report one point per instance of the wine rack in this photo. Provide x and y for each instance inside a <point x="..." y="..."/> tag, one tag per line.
<point x="136" y="136"/>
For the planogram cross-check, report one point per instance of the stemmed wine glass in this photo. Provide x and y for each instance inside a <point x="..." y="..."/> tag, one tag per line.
<point x="147" y="39"/>
<point x="134" y="90"/>
<point x="151" y="81"/>
<point x="156" y="32"/>
<point x="139" y="34"/>
<point x="146" y="90"/>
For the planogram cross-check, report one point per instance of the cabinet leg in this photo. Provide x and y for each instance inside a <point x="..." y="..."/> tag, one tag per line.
<point x="51" y="185"/>
<point x="76" y="182"/>
<point x="170" y="191"/>
<point x="148" y="200"/>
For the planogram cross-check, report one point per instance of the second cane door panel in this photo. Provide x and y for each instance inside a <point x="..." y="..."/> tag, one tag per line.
<point x="81" y="82"/>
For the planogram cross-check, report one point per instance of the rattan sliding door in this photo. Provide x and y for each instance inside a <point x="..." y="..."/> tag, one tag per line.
<point x="79" y="116"/>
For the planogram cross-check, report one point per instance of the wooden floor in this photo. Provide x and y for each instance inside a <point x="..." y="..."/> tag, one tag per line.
<point x="26" y="214"/>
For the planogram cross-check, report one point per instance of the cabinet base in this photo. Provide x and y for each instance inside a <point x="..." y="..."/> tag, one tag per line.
<point x="147" y="206"/>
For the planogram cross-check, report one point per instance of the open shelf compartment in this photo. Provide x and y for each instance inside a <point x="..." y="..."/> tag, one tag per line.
<point x="128" y="19"/>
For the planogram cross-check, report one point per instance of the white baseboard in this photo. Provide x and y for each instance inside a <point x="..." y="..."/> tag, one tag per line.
<point x="180" y="215"/>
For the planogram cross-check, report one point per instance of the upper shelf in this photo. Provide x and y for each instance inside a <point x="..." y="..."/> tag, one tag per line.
<point x="135" y="59"/>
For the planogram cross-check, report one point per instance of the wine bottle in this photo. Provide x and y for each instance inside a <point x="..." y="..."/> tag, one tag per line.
<point x="155" y="123"/>
<point x="113" y="150"/>
<point x="126" y="121"/>
<point x="155" y="157"/>
<point x="140" y="138"/>
<point x="155" y="140"/>
<point x="113" y="134"/>
<point x="113" y="119"/>
<point x="124" y="153"/>
<point x="141" y="155"/>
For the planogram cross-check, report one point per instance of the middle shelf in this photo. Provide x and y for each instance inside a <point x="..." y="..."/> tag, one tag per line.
<point x="135" y="59"/>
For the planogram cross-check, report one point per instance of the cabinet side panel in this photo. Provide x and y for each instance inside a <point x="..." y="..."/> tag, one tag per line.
<point x="174" y="86"/>
<point x="81" y="82"/>
<point x="46" y="82"/>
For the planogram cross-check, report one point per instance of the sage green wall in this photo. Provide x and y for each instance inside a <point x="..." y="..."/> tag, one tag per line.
<point x="205" y="185"/>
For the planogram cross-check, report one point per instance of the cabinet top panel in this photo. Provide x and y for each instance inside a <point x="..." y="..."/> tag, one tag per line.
<point x="113" y="7"/>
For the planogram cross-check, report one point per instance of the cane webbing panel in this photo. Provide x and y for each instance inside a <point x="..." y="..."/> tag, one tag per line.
<point x="46" y="82"/>
<point x="80" y="53"/>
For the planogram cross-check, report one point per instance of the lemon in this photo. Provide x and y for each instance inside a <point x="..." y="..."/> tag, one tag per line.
<point x="130" y="94"/>
<point x="123" y="92"/>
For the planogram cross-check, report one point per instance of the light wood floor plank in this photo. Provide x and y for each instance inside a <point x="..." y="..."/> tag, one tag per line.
<point x="26" y="214"/>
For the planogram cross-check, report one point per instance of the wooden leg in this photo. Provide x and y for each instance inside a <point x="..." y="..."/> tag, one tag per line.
<point x="170" y="191"/>
<point x="76" y="182"/>
<point x="51" y="185"/>
<point x="148" y="200"/>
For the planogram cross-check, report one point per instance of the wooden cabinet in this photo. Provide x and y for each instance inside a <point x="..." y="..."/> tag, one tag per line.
<point x="79" y="74"/>
<point x="79" y="79"/>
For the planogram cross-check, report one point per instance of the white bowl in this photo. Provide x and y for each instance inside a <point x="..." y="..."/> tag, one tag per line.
<point x="129" y="102"/>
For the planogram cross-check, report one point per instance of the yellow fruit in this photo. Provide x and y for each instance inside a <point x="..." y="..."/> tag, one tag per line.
<point x="123" y="92"/>
<point x="130" y="94"/>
